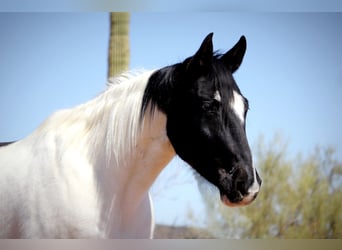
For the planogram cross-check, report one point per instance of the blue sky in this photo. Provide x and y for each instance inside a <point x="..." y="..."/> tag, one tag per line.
<point x="291" y="74"/>
<point x="175" y="5"/>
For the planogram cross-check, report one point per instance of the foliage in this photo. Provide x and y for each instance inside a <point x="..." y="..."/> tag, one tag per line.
<point x="299" y="198"/>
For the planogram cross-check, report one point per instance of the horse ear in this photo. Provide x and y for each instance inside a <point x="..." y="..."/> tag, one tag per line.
<point x="233" y="58"/>
<point x="204" y="56"/>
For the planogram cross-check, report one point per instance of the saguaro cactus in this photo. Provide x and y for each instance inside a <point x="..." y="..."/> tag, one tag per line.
<point x="118" y="58"/>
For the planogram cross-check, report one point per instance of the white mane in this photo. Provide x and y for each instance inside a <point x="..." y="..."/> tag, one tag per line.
<point x="116" y="114"/>
<point x="110" y="121"/>
<point x="123" y="124"/>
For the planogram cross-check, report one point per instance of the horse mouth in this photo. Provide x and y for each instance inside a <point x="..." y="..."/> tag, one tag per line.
<point x="238" y="201"/>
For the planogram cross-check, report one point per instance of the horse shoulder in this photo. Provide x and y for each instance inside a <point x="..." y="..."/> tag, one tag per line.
<point x="47" y="191"/>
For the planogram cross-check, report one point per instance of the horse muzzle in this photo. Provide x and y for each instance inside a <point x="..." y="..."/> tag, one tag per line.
<point x="239" y="200"/>
<point x="242" y="195"/>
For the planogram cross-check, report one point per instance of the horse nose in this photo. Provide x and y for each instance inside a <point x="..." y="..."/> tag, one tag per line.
<point x="248" y="185"/>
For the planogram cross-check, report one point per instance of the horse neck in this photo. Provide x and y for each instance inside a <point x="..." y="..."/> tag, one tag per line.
<point x="128" y="157"/>
<point x="124" y="188"/>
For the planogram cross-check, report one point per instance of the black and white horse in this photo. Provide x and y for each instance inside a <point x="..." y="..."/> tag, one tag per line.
<point x="86" y="171"/>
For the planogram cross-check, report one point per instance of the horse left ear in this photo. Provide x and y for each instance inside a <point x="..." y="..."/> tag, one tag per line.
<point x="204" y="56"/>
<point x="233" y="58"/>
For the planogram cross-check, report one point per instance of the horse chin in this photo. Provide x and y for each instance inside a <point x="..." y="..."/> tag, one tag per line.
<point x="241" y="203"/>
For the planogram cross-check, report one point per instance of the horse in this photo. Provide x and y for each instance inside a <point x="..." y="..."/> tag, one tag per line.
<point x="85" y="172"/>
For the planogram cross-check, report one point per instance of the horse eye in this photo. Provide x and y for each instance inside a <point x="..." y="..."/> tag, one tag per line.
<point x="206" y="106"/>
<point x="211" y="106"/>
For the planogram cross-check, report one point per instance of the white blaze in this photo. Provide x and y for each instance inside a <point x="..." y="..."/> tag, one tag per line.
<point x="217" y="96"/>
<point x="238" y="105"/>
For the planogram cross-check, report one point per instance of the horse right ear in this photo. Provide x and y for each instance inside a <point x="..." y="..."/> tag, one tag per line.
<point x="233" y="58"/>
<point x="203" y="57"/>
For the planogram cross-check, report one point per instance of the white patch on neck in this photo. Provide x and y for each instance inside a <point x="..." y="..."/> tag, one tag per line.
<point x="217" y="96"/>
<point x="238" y="105"/>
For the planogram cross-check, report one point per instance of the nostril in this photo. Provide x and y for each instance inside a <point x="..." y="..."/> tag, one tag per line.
<point x="240" y="187"/>
<point x="255" y="195"/>
<point x="241" y="183"/>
